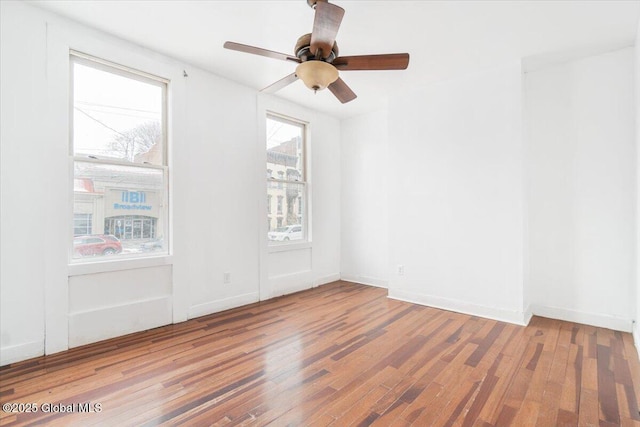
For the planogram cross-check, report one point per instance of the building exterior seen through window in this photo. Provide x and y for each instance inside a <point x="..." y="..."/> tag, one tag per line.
<point x="286" y="180"/>
<point x="118" y="146"/>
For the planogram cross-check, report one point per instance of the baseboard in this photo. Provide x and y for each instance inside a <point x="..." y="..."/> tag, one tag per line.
<point x="636" y="337"/>
<point x="290" y="283"/>
<point x="223" y="304"/>
<point x="503" y="315"/>
<point x="19" y="352"/>
<point x="364" y="280"/>
<point x="528" y="314"/>
<point x="326" y="279"/>
<point x="89" y="326"/>
<point x="593" y="319"/>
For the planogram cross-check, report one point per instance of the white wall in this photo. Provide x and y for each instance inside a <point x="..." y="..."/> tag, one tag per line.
<point x="636" y="331"/>
<point x="365" y="208"/>
<point x="216" y="199"/>
<point x="216" y="187"/>
<point x="22" y="271"/>
<point x="456" y="194"/>
<point x="580" y="196"/>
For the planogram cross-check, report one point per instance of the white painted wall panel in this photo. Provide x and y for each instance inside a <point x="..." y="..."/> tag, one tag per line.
<point x="581" y="189"/>
<point x="365" y="205"/>
<point x="96" y="291"/>
<point x="108" y="322"/>
<point x="636" y="332"/>
<point x="456" y="194"/>
<point x="22" y="193"/>
<point x="216" y="226"/>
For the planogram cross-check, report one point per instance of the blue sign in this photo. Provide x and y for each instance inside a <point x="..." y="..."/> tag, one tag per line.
<point x="133" y="200"/>
<point x="133" y="197"/>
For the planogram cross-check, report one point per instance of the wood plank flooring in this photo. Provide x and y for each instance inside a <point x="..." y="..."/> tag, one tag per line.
<point x="343" y="355"/>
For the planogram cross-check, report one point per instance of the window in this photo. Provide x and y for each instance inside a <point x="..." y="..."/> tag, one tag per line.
<point x="269" y="197"/>
<point x="280" y="204"/>
<point x="286" y="157"/>
<point x="118" y="145"/>
<point x="82" y="223"/>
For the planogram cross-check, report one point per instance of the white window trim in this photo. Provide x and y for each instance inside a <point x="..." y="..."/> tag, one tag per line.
<point x="105" y="266"/>
<point x="288" y="246"/>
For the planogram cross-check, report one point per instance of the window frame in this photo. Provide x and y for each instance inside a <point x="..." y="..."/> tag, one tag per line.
<point x="283" y="183"/>
<point x="141" y="76"/>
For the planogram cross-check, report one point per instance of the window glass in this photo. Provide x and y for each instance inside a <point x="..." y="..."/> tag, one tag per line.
<point x="120" y="205"/>
<point x="286" y="179"/>
<point x="285" y="144"/>
<point x="288" y="217"/>
<point x="116" y="116"/>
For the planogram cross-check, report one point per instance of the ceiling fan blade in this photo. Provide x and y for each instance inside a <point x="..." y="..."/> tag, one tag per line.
<point x="259" y="51"/>
<point x="283" y="82"/>
<point x="392" y="61"/>
<point x="325" y="28"/>
<point x="343" y="92"/>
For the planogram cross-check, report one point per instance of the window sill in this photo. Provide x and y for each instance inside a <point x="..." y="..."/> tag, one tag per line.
<point x="284" y="247"/>
<point x="106" y="266"/>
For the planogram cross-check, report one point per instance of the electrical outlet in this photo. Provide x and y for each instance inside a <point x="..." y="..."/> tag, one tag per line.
<point x="400" y="270"/>
<point x="226" y="278"/>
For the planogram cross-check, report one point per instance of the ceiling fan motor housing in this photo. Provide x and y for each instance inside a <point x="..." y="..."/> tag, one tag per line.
<point x="312" y="3"/>
<point x="303" y="50"/>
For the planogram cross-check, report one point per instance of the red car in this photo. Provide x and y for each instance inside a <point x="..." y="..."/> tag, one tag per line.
<point x="96" y="244"/>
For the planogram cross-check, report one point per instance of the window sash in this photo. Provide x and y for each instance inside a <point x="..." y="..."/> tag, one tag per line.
<point x="286" y="181"/>
<point x="303" y="131"/>
<point x="122" y="71"/>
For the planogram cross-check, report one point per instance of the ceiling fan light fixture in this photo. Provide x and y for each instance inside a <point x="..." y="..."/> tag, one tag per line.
<point x="317" y="75"/>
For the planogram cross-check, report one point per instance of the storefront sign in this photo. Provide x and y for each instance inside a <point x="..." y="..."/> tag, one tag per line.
<point x="133" y="200"/>
<point x="125" y="202"/>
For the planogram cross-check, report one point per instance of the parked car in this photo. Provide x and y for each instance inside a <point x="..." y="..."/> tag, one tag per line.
<point x="289" y="232"/>
<point x="96" y="244"/>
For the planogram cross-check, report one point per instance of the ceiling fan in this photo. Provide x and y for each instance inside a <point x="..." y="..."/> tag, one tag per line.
<point x="318" y="57"/>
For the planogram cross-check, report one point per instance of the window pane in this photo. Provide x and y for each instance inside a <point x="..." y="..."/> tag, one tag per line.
<point x="116" y="116"/>
<point x="287" y="224"/>
<point x="284" y="149"/>
<point x="82" y="223"/>
<point x="125" y="206"/>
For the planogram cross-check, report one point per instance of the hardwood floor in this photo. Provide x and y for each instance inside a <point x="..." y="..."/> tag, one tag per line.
<point x="341" y="354"/>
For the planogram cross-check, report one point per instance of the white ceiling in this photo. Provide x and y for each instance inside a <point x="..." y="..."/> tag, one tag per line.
<point x="444" y="38"/>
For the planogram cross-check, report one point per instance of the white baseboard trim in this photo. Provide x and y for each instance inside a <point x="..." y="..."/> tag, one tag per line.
<point x="593" y="319"/>
<point x="89" y="326"/>
<point x="326" y="279"/>
<point x="528" y="314"/>
<point x="223" y="304"/>
<point x="636" y="338"/>
<point x="494" y="313"/>
<point x="285" y="284"/>
<point x="19" y="352"/>
<point x="364" y="280"/>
